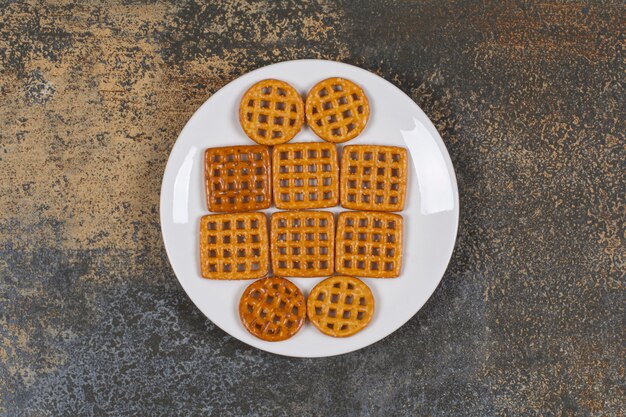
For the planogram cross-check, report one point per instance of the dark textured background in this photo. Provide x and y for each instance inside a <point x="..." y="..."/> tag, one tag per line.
<point x="529" y="318"/>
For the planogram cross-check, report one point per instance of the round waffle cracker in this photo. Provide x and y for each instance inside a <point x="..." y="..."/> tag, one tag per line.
<point x="272" y="309"/>
<point x="271" y="112"/>
<point x="340" y="306"/>
<point x="337" y="109"/>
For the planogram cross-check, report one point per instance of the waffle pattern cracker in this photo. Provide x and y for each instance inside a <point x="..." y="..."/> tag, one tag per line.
<point x="271" y="112"/>
<point x="305" y="175"/>
<point x="234" y="246"/>
<point x="302" y="243"/>
<point x="369" y="244"/>
<point x="340" y="306"/>
<point x="337" y="109"/>
<point x="373" y="177"/>
<point x="272" y="309"/>
<point x="238" y="178"/>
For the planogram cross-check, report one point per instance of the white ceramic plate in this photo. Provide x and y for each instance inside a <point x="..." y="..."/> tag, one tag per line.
<point x="431" y="213"/>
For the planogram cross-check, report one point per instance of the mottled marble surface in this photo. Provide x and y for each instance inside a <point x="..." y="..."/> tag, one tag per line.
<point x="529" y="318"/>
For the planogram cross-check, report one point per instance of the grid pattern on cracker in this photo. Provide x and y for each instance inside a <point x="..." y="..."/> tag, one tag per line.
<point x="373" y="177"/>
<point x="305" y="175"/>
<point x="337" y="109"/>
<point x="238" y="178"/>
<point x="272" y="309"/>
<point x="369" y="244"/>
<point x="340" y="306"/>
<point x="234" y="246"/>
<point x="302" y="243"/>
<point x="271" y="112"/>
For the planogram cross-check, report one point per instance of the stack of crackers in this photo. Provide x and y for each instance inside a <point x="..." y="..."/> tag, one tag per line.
<point x="369" y="180"/>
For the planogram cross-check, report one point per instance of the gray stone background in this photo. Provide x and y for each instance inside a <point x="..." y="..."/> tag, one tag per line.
<point x="528" y="96"/>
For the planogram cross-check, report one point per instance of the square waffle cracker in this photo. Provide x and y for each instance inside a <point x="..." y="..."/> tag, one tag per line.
<point x="237" y="178"/>
<point x="373" y="177"/>
<point x="305" y="175"/>
<point x="369" y="244"/>
<point x="302" y="243"/>
<point x="234" y="246"/>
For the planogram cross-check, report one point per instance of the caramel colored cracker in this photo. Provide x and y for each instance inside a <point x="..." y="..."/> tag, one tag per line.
<point x="272" y="309"/>
<point x="238" y="178"/>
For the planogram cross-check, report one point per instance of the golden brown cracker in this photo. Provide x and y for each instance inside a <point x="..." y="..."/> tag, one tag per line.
<point x="373" y="177"/>
<point x="337" y="109"/>
<point x="271" y="112"/>
<point x="302" y="243"/>
<point x="234" y="246"/>
<point x="305" y="175"/>
<point x="340" y="306"/>
<point x="369" y="244"/>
